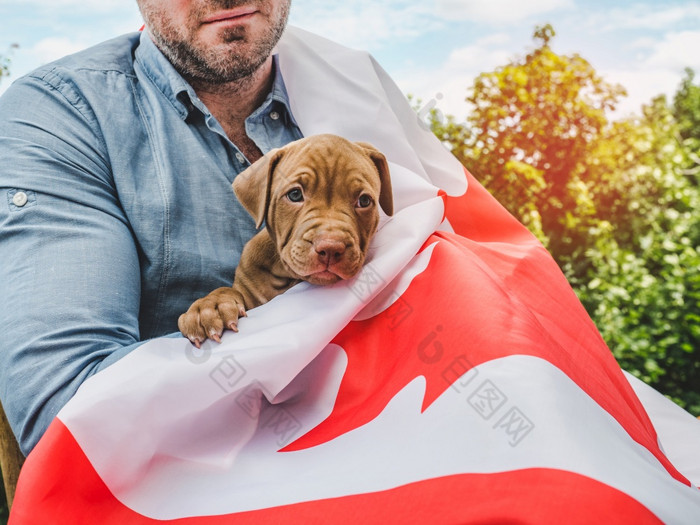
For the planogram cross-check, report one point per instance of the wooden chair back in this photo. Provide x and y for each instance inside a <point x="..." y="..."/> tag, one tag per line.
<point x="11" y="458"/>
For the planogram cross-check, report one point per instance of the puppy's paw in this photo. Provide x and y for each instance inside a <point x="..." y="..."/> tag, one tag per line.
<point x="209" y="316"/>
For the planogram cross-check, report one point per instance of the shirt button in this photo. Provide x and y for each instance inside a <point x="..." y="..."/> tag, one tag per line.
<point x="274" y="115"/>
<point x="240" y="158"/>
<point x="19" y="199"/>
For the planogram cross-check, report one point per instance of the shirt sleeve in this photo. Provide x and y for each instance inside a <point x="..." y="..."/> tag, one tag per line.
<point x="69" y="265"/>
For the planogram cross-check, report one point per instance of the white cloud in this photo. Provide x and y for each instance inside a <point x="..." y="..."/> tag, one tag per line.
<point x="646" y="17"/>
<point x="82" y="6"/>
<point x="364" y="23"/>
<point x="483" y="55"/>
<point x="644" y="42"/>
<point x="658" y="69"/>
<point x="498" y="11"/>
<point x="642" y="86"/>
<point x="495" y="39"/>
<point x="47" y="30"/>
<point x="643" y="46"/>
<point x="677" y="51"/>
<point x="52" y="48"/>
<point x="445" y="86"/>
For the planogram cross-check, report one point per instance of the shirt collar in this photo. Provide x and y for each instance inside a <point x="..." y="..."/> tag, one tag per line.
<point x="181" y="94"/>
<point x="276" y="97"/>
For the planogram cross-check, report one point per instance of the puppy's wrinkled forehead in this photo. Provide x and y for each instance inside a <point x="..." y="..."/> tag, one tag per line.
<point x="344" y="166"/>
<point x="327" y="157"/>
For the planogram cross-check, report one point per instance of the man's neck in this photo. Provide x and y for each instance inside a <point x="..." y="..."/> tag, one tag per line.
<point x="233" y="102"/>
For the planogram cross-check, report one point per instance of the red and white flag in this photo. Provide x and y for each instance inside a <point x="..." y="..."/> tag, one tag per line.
<point x="456" y="379"/>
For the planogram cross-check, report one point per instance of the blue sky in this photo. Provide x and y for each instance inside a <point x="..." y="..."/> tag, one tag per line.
<point x="432" y="48"/>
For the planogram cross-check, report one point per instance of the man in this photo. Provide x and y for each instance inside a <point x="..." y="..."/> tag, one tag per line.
<point x="112" y="164"/>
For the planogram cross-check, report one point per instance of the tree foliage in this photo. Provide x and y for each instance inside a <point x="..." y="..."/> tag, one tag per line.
<point x="615" y="202"/>
<point x="5" y="62"/>
<point x="642" y="277"/>
<point x="529" y="133"/>
<point x="4" y="67"/>
<point x="686" y="110"/>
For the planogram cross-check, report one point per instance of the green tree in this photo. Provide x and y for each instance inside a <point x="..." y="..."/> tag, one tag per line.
<point x="615" y="202"/>
<point x="530" y="129"/>
<point x="5" y="62"/>
<point x="686" y="110"/>
<point x="640" y="281"/>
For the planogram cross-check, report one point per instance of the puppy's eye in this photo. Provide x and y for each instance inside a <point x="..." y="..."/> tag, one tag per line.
<point x="364" y="201"/>
<point x="295" y="195"/>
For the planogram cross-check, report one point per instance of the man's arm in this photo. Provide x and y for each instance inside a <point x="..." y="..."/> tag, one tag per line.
<point x="69" y="266"/>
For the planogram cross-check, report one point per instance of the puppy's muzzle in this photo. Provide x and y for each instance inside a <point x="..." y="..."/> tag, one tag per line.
<point x="326" y="256"/>
<point x="329" y="250"/>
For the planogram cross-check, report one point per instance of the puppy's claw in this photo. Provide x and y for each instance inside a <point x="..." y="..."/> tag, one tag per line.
<point x="214" y="336"/>
<point x="233" y="326"/>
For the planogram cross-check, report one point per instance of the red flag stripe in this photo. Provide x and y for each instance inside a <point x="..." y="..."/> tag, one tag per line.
<point x="67" y="490"/>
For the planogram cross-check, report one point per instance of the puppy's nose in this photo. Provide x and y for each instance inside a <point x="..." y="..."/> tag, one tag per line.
<point x="329" y="250"/>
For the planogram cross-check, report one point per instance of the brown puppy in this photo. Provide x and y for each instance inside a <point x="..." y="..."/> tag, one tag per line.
<point x="319" y="199"/>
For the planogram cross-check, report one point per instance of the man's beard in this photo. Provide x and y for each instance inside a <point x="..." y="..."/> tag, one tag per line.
<point x="219" y="64"/>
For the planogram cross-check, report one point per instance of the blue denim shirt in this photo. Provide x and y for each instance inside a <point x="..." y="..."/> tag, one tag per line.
<point x="116" y="212"/>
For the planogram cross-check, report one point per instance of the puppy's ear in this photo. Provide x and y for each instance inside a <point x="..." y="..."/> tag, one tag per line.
<point x="252" y="185"/>
<point x="386" y="198"/>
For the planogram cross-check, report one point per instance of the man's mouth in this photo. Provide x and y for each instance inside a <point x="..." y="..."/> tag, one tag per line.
<point x="239" y="14"/>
